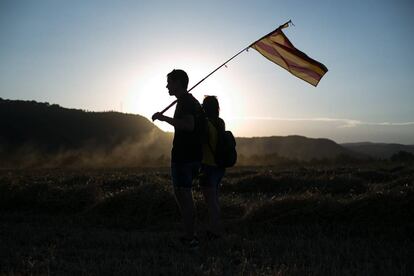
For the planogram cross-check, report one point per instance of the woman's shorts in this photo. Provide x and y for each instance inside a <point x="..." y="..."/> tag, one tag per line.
<point x="211" y="176"/>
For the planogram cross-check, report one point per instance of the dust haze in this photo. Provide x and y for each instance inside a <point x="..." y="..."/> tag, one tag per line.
<point x="152" y="150"/>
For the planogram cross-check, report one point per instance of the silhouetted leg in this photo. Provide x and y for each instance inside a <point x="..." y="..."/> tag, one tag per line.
<point x="211" y="197"/>
<point x="185" y="202"/>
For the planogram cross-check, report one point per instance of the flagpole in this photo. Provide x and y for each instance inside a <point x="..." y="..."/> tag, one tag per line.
<point x="174" y="102"/>
<point x="241" y="51"/>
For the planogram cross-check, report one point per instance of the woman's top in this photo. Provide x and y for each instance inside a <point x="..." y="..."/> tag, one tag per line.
<point x="209" y="145"/>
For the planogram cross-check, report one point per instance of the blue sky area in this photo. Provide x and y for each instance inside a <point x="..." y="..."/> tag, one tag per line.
<point x="114" y="55"/>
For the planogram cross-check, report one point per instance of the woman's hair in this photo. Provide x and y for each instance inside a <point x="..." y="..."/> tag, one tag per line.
<point x="211" y="107"/>
<point x="212" y="110"/>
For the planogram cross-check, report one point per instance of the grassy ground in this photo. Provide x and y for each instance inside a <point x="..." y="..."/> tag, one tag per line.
<point x="279" y="221"/>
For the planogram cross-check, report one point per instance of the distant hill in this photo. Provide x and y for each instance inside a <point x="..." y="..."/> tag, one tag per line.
<point x="33" y="133"/>
<point x="378" y="150"/>
<point x="292" y="147"/>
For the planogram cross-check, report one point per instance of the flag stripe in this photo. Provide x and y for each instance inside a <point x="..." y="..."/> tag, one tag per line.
<point x="289" y="64"/>
<point x="279" y="38"/>
<point x="269" y="50"/>
<point x="298" y="54"/>
<point x="281" y="63"/>
<point x="293" y="54"/>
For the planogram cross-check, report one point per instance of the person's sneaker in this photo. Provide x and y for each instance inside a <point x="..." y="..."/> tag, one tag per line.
<point x="212" y="236"/>
<point x="191" y="243"/>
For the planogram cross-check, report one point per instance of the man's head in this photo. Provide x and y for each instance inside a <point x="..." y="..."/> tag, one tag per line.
<point x="177" y="82"/>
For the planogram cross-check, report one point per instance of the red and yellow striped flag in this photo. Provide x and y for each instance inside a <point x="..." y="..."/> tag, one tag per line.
<point x="277" y="48"/>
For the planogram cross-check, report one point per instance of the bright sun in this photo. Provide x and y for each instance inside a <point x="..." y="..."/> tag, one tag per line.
<point x="148" y="93"/>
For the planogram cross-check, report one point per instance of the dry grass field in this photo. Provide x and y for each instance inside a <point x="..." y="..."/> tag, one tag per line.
<point x="297" y="220"/>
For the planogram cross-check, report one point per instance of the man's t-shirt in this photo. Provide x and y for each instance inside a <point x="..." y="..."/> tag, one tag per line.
<point x="186" y="144"/>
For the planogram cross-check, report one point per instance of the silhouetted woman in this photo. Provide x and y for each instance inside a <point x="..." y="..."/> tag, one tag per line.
<point x="211" y="174"/>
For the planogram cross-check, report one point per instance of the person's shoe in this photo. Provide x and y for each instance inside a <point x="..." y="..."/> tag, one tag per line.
<point x="191" y="243"/>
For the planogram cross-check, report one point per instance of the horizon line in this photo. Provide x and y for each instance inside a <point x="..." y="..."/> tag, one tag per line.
<point x="346" y="123"/>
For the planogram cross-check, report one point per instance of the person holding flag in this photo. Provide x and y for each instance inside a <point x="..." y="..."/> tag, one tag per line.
<point x="186" y="152"/>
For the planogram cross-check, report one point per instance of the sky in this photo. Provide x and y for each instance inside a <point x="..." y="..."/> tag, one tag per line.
<point x="115" y="55"/>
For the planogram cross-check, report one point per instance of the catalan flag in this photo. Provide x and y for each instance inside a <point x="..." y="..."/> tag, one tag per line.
<point x="277" y="48"/>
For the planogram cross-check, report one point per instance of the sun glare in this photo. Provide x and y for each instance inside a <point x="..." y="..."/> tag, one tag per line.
<point x="147" y="94"/>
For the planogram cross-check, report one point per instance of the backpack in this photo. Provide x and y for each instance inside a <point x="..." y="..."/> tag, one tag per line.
<point x="225" y="154"/>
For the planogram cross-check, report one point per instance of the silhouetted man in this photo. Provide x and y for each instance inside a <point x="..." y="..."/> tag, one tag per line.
<point x="186" y="153"/>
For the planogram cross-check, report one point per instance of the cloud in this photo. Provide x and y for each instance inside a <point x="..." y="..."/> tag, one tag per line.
<point x="342" y="123"/>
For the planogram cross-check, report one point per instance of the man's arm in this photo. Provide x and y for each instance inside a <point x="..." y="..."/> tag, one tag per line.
<point x="186" y="123"/>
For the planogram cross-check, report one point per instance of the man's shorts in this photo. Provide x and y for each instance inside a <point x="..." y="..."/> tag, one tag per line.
<point x="183" y="174"/>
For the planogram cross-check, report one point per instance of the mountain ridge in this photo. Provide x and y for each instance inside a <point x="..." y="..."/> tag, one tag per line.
<point x="378" y="150"/>
<point x="34" y="132"/>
